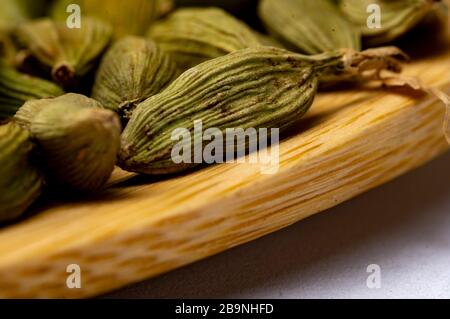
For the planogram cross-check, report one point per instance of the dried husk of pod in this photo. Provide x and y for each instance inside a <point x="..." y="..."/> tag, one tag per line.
<point x="397" y="17"/>
<point x="194" y="35"/>
<point x="256" y="88"/>
<point x="309" y="27"/>
<point x="68" y="54"/>
<point x="131" y="71"/>
<point x="128" y="17"/>
<point x="77" y="140"/>
<point x="17" y="88"/>
<point x="21" y="183"/>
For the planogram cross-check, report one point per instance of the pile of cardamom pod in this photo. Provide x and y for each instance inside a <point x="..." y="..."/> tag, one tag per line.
<point x="86" y="85"/>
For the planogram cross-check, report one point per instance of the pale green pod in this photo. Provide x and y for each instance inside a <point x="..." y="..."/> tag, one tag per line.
<point x="256" y="88"/>
<point x="20" y="181"/>
<point x="128" y="17"/>
<point x="194" y="35"/>
<point x="131" y="71"/>
<point x="397" y="17"/>
<point x="69" y="54"/>
<point x="309" y="27"/>
<point x="17" y="88"/>
<point x="78" y="140"/>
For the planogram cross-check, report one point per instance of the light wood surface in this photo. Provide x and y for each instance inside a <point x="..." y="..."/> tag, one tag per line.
<point x="350" y="142"/>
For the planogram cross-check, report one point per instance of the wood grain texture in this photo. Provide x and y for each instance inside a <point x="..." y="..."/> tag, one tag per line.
<point x="349" y="143"/>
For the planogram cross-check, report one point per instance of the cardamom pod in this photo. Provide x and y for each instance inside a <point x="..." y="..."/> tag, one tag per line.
<point x="397" y="17"/>
<point x="20" y="183"/>
<point x="131" y="71"/>
<point x="309" y="26"/>
<point x="251" y="88"/>
<point x="194" y="35"/>
<point x="17" y="88"/>
<point x="69" y="53"/>
<point x="130" y="17"/>
<point x="77" y="139"/>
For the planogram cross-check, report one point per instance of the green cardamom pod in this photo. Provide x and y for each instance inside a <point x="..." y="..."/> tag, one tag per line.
<point x="396" y="17"/>
<point x="77" y="139"/>
<point x="20" y="183"/>
<point x="17" y="88"/>
<point x="309" y="26"/>
<point x="256" y="88"/>
<point x="131" y="71"/>
<point x="68" y="53"/>
<point x="130" y="17"/>
<point x="194" y="35"/>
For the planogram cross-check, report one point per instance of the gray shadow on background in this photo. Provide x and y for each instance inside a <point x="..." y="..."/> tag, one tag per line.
<point x="313" y="257"/>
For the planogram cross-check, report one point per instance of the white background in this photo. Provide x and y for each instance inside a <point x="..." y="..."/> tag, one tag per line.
<point x="403" y="226"/>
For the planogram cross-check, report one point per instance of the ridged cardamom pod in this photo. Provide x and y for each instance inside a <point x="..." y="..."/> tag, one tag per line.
<point x="252" y="88"/>
<point x="68" y="53"/>
<point x="128" y="17"/>
<point x="194" y="35"/>
<point x="131" y="71"/>
<point x="20" y="181"/>
<point x="77" y="139"/>
<point x="309" y="26"/>
<point x="397" y="17"/>
<point x="17" y="88"/>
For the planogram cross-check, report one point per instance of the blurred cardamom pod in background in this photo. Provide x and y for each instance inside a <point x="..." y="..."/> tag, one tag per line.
<point x="195" y="35"/>
<point x="131" y="71"/>
<point x="245" y="10"/>
<point x="77" y="139"/>
<point x="309" y="26"/>
<point x="17" y="88"/>
<point x="396" y="17"/>
<point x="20" y="182"/>
<point x="67" y="54"/>
<point x="128" y="17"/>
<point x="12" y="13"/>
